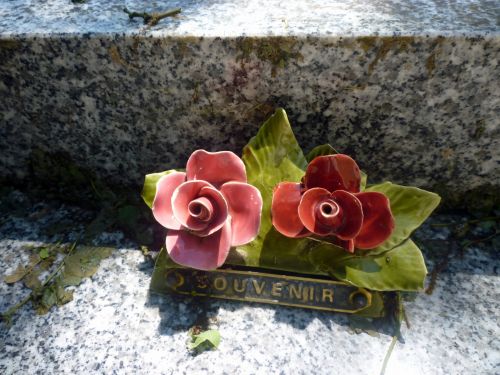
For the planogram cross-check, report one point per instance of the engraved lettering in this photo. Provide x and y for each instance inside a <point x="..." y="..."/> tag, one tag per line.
<point x="220" y="283"/>
<point x="271" y="288"/>
<point x="240" y="288"/>
<point x="327" y="293"/>
<point x="295" y="291"/>
<point x="202" y="281"/>
<point x="258" y="288"/>
<point x="305" y="295"/>
<point x="276" y="290"/>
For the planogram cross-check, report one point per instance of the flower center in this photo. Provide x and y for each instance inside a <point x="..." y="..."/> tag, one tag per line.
<point x="329" y="213"/>
<point x="201" y="208"/>
<point x="329" y="209"/>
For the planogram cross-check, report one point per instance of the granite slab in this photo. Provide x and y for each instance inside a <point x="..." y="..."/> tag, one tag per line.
<point x="114" y="326"/>
<point x="410" y="89"/>
<point x="223" y="18"/>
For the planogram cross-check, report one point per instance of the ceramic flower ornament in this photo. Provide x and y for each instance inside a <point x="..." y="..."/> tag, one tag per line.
<point x="328" y="202"/>
<point x="207" y="209"/>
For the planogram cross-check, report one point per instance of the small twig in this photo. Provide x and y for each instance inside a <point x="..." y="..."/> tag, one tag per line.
<point x="152" y="19"/>
<point x="440" y="267"/>
<point x="7" y="315"/>
<point x="479" y="240"/>
<point x="59" y="267"/>
<point x="405" y="317"/>
<point x="388" y="354"/>
<point x="475" y="221"/>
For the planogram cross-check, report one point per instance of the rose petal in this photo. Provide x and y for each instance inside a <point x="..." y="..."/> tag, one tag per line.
<point x="378" y="222"/>
<point x="162" y="204"/>
<point x="203" y="253"/>
<point x="285" y="210"/>
<point x="191" y="191"/>
<point x="215" y="167"/>
<point x="347" y="245"/>
<point x="352" y="214"/>
<point x="333" y="172"/>
<point x="220" y="207"/>
<point x="202" y="209"/>
<point x="245" y="206"/>
<point x="310" y="212"/>
<point x="324" y="213"/>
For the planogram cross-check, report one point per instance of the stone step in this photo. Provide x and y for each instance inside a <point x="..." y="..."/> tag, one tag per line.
<point x="113" y="325"/>
<point x="408" y="89"/>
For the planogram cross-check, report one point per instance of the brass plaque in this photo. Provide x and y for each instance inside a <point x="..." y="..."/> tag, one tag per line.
<point x="271" y="288"/>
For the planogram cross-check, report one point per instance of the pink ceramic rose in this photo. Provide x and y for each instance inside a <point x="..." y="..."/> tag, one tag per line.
<point x="207" y="209"/>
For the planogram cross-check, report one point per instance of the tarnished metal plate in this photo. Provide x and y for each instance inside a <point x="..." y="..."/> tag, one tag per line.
<point x="271" y="288"/>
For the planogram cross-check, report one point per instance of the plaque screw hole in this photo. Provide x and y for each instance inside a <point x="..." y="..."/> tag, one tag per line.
<point x="359" y="300"/>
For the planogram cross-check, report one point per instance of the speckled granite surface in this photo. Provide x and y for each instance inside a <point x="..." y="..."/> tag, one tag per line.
<point x="221" y="18"/>
<point x="114" y="326"/>
<point x="124" y="101"/>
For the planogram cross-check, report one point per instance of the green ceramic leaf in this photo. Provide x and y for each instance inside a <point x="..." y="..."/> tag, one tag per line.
<point x="272" y="156"/>
<point x="364" y="179"/>
<point x="321" y="150"/>
<point x="327" y="149"/>
<point x="410" y="206"/>
<point x="149" y="189"/>
<point x="401" y="268"/>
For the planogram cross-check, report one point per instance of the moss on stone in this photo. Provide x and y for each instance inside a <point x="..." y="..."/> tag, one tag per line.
<point x="183" y="46"/>
<point x="9" y="44"/>
<point x="430" y="62"/>
<point x="383" y="45"/>
<point x="277" y="51"/>
<point x="116" y="57"/>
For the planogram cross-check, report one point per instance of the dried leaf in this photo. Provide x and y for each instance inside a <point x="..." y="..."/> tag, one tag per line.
<point x="22" y="271"/>
<point x="15" y="276"/>
<point x="83" y="263"/>
<point x="63" y="296"/>
<point x="32" y="280"/>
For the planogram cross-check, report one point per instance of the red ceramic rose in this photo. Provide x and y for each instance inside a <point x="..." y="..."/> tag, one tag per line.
<point x="329" y="203"/>
<point x="207" y="209"/>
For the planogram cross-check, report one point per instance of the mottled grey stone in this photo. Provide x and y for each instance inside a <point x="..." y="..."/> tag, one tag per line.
<point x="114" y="326"/>
<point x="409" y="90"/>
<point x="222" y="18"/>
<point x="415" y="110"/>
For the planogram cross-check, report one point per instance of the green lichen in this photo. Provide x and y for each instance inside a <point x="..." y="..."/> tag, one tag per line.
<point x="278" y="51"/>
<point x="430" y="62"/>
<point x="116" y="57"/>
<point x="9" y="44"/>
<point x="383" y="45"/>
